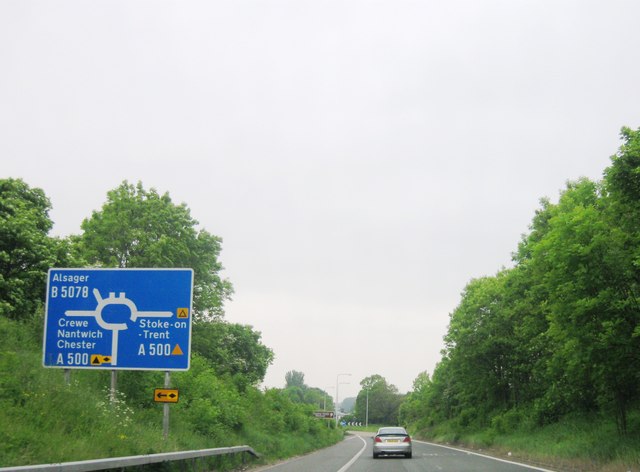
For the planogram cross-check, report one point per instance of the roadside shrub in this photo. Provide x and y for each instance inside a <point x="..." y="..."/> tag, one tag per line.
<point x="43" y="420"/>
<point x="507" y="422"/>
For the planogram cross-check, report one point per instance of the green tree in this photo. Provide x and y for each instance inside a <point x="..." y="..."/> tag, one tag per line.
<point x="566" y="257"/>
<point x="233" y="349"/>
<point x="295" y="393"/>
<point x="318" y="398"/>
<point x="614" y="292"/>
<point x="141" y="228"/>
<point x="587" y="257"/>
<point x="526" y="312"/>
<point x="299" y="392"/>
<point x="414" y="407"/>
<point x="384" y="401"/>
<point x="479" y="343"/>
<point x="26" y="250"/>
<point x="294" y="378"/>
<point x="559" y="332"/>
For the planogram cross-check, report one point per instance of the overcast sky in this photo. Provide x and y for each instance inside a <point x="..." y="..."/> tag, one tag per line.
<point x="362" y="160"/>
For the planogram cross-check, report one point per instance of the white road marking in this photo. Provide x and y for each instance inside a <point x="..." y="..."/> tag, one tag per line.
<point x="355" y="458"/>
<point x="485" y="456"/>
<point x="295" y="459"/>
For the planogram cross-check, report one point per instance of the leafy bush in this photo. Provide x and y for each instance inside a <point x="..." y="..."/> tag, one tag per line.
<point x="43" y="420"/>
<point x="508" y="421"/>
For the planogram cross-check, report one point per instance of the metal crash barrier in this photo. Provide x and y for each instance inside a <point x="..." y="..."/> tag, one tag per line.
<point x="130" y="461"/>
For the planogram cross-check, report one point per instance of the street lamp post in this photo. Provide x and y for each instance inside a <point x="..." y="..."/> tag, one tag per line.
<point x="366" y="418"/>
<point x="337" y="397"/>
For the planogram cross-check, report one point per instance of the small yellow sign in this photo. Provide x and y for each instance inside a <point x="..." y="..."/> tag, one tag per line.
<point x="97" y="359"/>
<point x="165" y="395"/>
<point x="183" y="313"/>
<point x="177" y="351"/>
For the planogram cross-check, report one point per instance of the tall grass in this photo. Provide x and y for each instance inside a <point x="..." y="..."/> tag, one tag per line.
<point x="587" y="443"/>
<point x="44" y="420"/>
<point x="593" y="439"/>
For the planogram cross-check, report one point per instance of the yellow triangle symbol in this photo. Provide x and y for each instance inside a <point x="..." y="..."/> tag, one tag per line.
<point x="177" y="351"/>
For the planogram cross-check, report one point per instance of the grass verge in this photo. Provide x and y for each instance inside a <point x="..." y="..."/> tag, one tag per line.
<point x="586" y="444"/>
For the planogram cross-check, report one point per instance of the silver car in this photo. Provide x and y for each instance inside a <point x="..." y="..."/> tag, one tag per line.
<point x="392" y="440"/>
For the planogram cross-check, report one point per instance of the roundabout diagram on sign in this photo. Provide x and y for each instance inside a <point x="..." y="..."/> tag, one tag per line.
<point x="118" y="319"/>
<point x="115" y="328"/>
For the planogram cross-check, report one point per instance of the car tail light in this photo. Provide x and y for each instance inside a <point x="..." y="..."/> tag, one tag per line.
<point x="407" y="439"/>
<point x="377" y="439"/>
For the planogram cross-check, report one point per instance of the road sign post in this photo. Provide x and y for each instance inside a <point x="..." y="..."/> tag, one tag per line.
<point x="165" y="408"/>
<point x="118" y="319"/>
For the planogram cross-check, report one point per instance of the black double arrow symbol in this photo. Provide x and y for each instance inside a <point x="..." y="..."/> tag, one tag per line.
<point x="170" y="395"/>
<point x="165" y="395"/>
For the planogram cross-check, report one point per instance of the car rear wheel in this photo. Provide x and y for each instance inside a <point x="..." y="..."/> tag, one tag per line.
<point x="408" y="455"/>
<point x="375" y="455"/>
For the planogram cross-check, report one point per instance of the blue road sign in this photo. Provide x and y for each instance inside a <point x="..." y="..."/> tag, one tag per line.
<point x="133" y="319"/>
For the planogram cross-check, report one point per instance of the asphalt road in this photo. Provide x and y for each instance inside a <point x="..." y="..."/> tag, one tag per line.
<point x="355" y="454"/>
